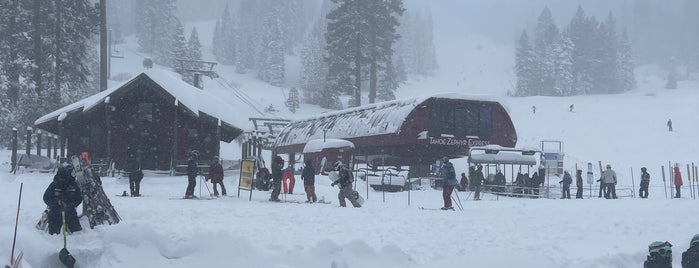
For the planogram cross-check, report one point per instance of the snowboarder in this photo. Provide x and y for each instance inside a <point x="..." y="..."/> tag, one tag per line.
<point x="477" y="180"/>
<point x="463" y="182"/>
<point x="277" y="165"/>
<point x="659" y="255"/>
<point x="690" y="258"/>
<point x="579" y="184"/>
<point x="570" y="109"/>
<point x="192" y="172"/>
<point x="678" y="181"/>
<point x="449" y="181"/>
<point x="345" y="182"/>
<point x="288" y="180"/>
<point x="610" y="180"/>
<point x="133" y="168"/>
<point x="566" y="182"/>
<point x="669" y="125"/>
<point x="63" y="195"/>
<point x="645" y="181"/>
<point x="308" y="176"/>
<point x="533" y="109"/>
<point x="216" y="175"/>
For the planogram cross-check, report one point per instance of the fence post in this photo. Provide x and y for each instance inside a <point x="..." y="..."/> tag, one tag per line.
<point x="29" y="141"/>
<point x="38" y="142"/>
<point x="14" y="147"/>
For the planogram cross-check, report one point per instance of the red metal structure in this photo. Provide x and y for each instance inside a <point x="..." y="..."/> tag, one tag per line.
<point x="412" y="132"/>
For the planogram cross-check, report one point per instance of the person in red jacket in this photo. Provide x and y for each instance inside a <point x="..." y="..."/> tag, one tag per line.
<point x="216" y="175"/>
<point x="678" y="181"/>
<point x="288" y="180"/>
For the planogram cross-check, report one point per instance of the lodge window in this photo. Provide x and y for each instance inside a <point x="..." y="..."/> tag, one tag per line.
<point x="145" y="112"/>
<point x="461" y="120"/>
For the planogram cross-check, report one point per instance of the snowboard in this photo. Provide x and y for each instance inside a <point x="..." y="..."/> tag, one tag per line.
<point x="96" y="205"/>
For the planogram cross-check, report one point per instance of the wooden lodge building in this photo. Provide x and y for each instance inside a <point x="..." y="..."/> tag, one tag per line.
<point x="411" y="132"/>
<point x="155" y="116"/>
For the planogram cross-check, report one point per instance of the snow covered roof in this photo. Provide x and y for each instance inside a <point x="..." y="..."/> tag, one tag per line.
<point x="314" y="146"/>
<point x="368" y="120"/>
<point x="194" y="99"/>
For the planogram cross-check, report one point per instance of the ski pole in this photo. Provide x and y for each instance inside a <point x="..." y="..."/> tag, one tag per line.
<point x="458" y="199"/>
<point x="14" y="239"/>
<point x="633" y="185"/>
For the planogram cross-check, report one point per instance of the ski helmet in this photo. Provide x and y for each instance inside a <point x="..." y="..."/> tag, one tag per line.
<point x="695" y="239"/>
<point x="662" y="248"/>
<point x="65" y="170"/>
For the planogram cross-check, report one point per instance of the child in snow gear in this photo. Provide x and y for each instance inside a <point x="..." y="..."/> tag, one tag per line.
<point x="566" y="182"/>
<point x="277" y="165"/>
<point x="678" y="181"/>
<point x="216" y="175"/>
<point x="579" y="184"/>
<point x="449" y="181"/>
<point x="464" y="182"/>
<point x="659" y="255"/>
<point x="476" y="180"/>
<point x="345" y="182"/>
<point x="135" y="176"/>
<point x="288" y="180"/>
<point x="645" y="181"/>
<point x="610" y="180"/>
<point x="192" y="172"/>
<point x="690" y="258"/>
<point x="308" y="176"/>
<point x="63" y="195"/>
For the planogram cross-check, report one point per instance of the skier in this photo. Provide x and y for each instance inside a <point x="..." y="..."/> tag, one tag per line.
<point x="192" y="172"/>
<point x="533" y="109"/>
<point x="645" y="181"/>
<point x="678" y="181"/>
<point x="659" y="255"/>
<point x="690" y="258"/>
<point x="277" y="165"/>
<point x="610" y="180"/>
<point x="308" y="176"/>
<point x="463" y="182"/>
<point x="570" y="109"/>
<point x="63" y="195"/>
<point x="345" y="182"/>
<point x="449" y="181"/>
<point x="133" y="168"/>
<point x="288" y="180"/>
<point x="669" y="125"/>
<point x="216" y="175"/>
<point x="579" y="184"/>
<point x="477" y="180"/>
<point x="566" y="182"/>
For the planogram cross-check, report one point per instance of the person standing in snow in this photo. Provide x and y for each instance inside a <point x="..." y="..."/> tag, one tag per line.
<point x="659" y="255"/>
<point x="345" y="182"/>
<point x="533" y="109"/>
<point x="610" y="180"/>
<point x="566" y="182"/>
<point x="690" y="258"/>
<point x="463" y="183"/>
<point x="192" y="172"/>
<point x="216" y="175"/>
<point x="288" y="180"/>
<point x="579" y="184"/>
<point x="448" y="183"/>
<point x="63" y="195"/>
<point x="477" y="180"/>
<point x="133" y="169"/>
<point x="277" y="165"/>
<point x="678" y="181"/>
<point x="308" y="176"/>
<point x="645" y="182"/>
<point x="669" y="125"/>
<point x="570" y="109"/>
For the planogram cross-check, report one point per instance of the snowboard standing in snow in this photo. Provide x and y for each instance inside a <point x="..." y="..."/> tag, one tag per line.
<point x="96" y="204"/>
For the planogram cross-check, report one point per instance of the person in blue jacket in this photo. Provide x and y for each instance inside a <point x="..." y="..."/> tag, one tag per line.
<point x="566" y="182"/>
<point x="448" y="183"/>
<point x="63" y="195"/>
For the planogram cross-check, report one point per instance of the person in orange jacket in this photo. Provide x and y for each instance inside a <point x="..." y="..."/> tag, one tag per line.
<point x="288" y="177"/>
<point x="678" y="181"/>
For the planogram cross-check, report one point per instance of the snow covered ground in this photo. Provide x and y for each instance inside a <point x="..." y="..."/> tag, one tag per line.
<point x="626" y="131"/>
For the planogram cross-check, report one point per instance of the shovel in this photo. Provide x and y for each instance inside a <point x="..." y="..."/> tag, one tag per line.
<point x="64" y="256"/>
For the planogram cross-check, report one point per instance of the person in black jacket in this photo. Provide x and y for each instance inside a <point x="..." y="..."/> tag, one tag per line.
<point x="579" y="184"/>
<point x="133" y="168"/>
<point x="192" y="172"/>
<point x="690" y="258"/>
<point x="345" y="182"/>
<point x="659" y="255"/>
<point x="309" y="179"/>
<point x="63" y="195"/>
<point x="277" y="165"/>
<point x="645" y="182"/>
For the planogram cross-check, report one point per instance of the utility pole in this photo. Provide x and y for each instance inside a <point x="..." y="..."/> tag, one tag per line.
<point x="104" y="58"/>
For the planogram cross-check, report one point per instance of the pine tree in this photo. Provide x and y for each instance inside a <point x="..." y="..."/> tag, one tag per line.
<point x="181" y="55"/>
<point x="563" y="51"/>
<point x="672" y="76"/>
<point x="525" y="67"/>
<point x="314" y="68"/>
<point x="608" y="70"/>
<point x="272" y="53"/>
<point x="381" y="36"/>
<point x="156" y="29"/>
<point x="388" y="82"/>
<point x="545" y="35"/>
<point x="293" y="102"/>
<point x="582" y="31"/>
<point x="346" y="48"/>
<point x="217" y="42"/>
<point x="626" y="65"/>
